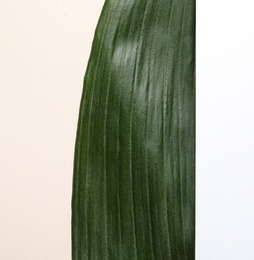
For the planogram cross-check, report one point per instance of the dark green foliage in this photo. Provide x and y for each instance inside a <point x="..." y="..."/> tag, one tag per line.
<point x="134" y="169"/>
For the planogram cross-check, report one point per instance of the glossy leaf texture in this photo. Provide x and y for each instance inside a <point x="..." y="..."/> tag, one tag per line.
<point x="134" y="169"/>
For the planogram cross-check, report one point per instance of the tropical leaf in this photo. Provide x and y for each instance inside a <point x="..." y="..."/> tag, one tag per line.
<point x="134" y="169"/>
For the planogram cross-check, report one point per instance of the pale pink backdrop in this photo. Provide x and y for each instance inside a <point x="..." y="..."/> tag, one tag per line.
<point x="43" y="56"/>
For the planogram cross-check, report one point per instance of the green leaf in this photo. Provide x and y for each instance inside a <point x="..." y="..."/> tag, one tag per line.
<point x="134" y="169"/>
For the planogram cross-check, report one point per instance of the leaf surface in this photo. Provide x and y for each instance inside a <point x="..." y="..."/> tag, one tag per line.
<point x="134" y="169"/>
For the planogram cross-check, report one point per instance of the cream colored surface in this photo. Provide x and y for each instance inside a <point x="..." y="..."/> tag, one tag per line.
<point x="43" y="55"/>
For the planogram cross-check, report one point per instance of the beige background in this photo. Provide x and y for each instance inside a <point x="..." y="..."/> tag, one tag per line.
<point x="44" y="47"/>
